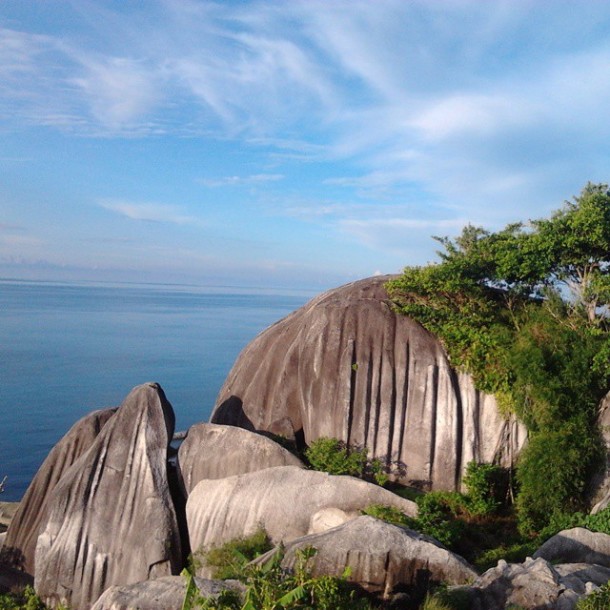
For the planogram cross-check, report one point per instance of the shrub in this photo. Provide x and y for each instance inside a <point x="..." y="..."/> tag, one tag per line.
<point x="26" y="600"/>
<point x="230" y="559"/>
<point x="437" y="513"/>
<point x="484" y="485"/>
<point x="335" y="457"/>
<point x="269" y="587"/>
<point x="390" y="514"/>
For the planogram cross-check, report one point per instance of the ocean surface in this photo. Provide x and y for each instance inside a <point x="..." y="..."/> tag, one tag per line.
<point x="69" y="348"/>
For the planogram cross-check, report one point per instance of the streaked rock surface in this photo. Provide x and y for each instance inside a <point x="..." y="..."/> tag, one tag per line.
<point x="382" y="558"/>
<point x="347" y="366"/>
<point x="111" y="519"/>
<point x="212" y="451"/>
<point x="20" y="544"/>
<point x="285" y="501"/>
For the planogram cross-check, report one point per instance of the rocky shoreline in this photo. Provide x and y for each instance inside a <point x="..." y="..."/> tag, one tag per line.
<point x="115" y="512"/>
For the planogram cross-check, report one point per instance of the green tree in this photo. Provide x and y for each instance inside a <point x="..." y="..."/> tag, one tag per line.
<point x="525" y="311"/>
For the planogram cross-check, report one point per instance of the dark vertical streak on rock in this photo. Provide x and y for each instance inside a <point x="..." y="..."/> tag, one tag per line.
<point x="393" y="409"/>
<point x="433" y="415"/>
<point x="459" y="431"/>
<point x="367" y="404"/>
<point x="352" y="391"/>
<point x="378" y="403"/>
<point x="404" y="402"/>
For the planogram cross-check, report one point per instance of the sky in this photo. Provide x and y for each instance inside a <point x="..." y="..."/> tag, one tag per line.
<point x="300" y="143"/>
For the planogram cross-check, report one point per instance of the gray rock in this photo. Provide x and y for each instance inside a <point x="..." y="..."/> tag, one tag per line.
<point x="20" y="545"/>
<point x="165" y="593"/>
<point x="347" y="366"/>
<point x="535" y="584"/>
<point x="111" y="519"/>
<point x="211" y="451"/>
<point x="579" y="577"/>
<point x="382" y="558"/>
<point x="532" y="584"/>
<point x="577" y="545"/>
<point x="286" y="501"/>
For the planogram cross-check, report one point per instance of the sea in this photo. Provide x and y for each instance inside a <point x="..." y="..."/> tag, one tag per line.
<point x="68" y="348"/>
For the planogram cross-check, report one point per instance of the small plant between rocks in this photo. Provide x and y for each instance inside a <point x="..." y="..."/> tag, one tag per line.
<point x="336" y="457"/>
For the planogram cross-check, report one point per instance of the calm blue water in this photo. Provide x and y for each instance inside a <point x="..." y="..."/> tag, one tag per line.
<point x="67" y="349"/>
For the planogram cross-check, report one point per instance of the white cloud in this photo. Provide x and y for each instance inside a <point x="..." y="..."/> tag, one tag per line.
<point x="152" y="212"/>
<point x="241" y="180"/>
<point x="481" y="106"/>
<point x="119" y="91"/>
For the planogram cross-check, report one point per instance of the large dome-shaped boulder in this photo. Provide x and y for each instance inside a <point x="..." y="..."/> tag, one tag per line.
<point x="20" y="544"/>
<point x="346" y="365"/>
<point x="111" y="519"/>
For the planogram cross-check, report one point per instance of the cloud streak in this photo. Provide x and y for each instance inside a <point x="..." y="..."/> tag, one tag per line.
<point x="241" y="180"/>
<point x="148" y="212"/>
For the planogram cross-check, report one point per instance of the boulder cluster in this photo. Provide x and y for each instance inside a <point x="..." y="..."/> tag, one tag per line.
<point x="115" y="511"/>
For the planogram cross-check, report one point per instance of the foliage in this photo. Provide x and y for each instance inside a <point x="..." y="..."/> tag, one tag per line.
<point x="525" y="312"/>
<point x="436" y="516"/>
<point x="26" y="600"/>
<point x="270" y="587"/>
<point x="230" y="559"/>
<point x="598" y="600"/>
<point x="335" y="457"/>
<point x="390" y="514"/>
<point x="447" y="598"/>
<point x="599" y="522"/>
<point x="432" y="602"/>
<point x="484" y="484"/>
<point x="516" y="552"/>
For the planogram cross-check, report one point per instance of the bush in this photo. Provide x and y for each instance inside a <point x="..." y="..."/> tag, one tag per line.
<point x="335" y="457"/>
<point x="484" y="485"/>
<point x="230" y="559"/>
<point x="269" y="587"/>
<point x="26" y="600"/>
<point x="390" y="514"/>
<point x="436" y="517"/>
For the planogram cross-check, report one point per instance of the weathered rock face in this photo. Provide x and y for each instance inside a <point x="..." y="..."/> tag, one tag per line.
<point x="211" y="451"/>
<point x="382" y="557"/>
<point x="111" y="519"/>
<point x="165" y="593"/>
<point x="20" y="543"/>
<point x="286" y="501"/>
<point x="347" y="366"/>
<point x="577" y="545"/>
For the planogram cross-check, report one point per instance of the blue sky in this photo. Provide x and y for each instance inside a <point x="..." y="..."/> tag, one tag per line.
<point x="302" y="143"/>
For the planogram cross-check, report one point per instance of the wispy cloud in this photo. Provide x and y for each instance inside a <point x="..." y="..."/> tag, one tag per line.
<point x="240" y="180"/>
<point x="150" y="212"/>
<point x="478" y="107"/>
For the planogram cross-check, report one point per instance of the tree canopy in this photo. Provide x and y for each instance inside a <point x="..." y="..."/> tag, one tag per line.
<point x="525" y="310"/>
